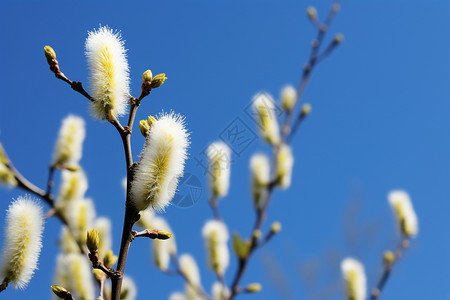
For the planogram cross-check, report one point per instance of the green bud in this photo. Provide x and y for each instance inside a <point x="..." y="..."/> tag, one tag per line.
<point x="253" y="288"/>
<point x="158" y="80"/>
<point x="338" y="38"/>
<point x="240" y="248"/>
<point x="49" y="53"/>
<point x="98" y="274"/>
<point x="147" y="76"/>
<point x="151" y="120"/>
<point x="312" y="13"/>
<point x="93" y="239"/>
<point x="276" y="227"/>
<point x="59" y="291"/>
<point x="164" y="235"/>
<point x="144" y="127"/>
<point x="257" y="234"/>
<point x="110" y="259"/>
<point x="306" y="109"/>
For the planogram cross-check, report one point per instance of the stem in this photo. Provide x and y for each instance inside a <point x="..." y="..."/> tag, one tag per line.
<point x="286" y="135"/>
<point x="4" y="285"/>
<point x="215" y="208"/>
<point x="376" y="292"/>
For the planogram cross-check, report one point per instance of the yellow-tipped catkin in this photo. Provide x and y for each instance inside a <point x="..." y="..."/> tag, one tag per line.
<point x="109" y="74"/>
<point x="162" y="163"/>
<point x="109" y="259"/>
<point x="312" y="13"/>
<point x="7" y="177"/>
<point x="73" y="187"/>
<point x="66" y="242"/>
<point x="404" y="212"/>
<point x="68" y="147"/>
<point x="129" y="290"/>
<point x="253" y="287"/>
<point x="388" y="258"/>
<point x="80" y="276"/>
<point x="80" y="216"/>
<point x="103" y="226"/>
<point x="285" y="162"/>
<point x="338" y="38"/>
<point x="354" y="279"/>
<point x="219" y="157"/>
<point x="23" y="241"/>
<point x="59" y="291"/>
<point x="260" y="172"/>
<point x="219" y="291"/>
<point x="264" y="108"/>
<point x="306" y="109"/>
<point x="144" y="127"/>
<point x="288" y="98"/>
<point x="147" y="215"/>
<point x="215" y="234"/>
<point x="275" y="227"/>
<point x="189" y="268"/>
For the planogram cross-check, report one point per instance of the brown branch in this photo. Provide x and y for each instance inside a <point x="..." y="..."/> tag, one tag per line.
<point x="215" y="208"/>
<point x="4" y="285"/>
<point x="98" y="264"/>
<point x="286" y="133"/>
<point x="152" y="234"/>
<point x="376" y="292"/>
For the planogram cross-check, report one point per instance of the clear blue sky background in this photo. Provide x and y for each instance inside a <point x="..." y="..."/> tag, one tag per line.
<point x="379" y="122"/>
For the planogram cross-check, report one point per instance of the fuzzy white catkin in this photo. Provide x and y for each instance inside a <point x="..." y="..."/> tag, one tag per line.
<point x="404" y="212"/>
<point x="265" y="110"/>
<point x="7" y="177"/>
<point x="219" y="292"/>
<point x="66" y="242"/>
<point x="162" y="249"/>
<point x="23" y="241"/>
<point x="103" y="226"/>
<point x="285" y="162"/>
<point x="81" y="281"/>
<point x="73" y="187"/>
<point x="177" y="296"/>
<point x="288" y="97"/>
<point x="147" y="216"/>
<point x="80" y="216"/>
<point x="69" y="145"/>
<point x="219" y="157"/>
<point x="62" y="275"/>
<point x="109" y="72"/>
<point x="215" y="234"/>
<point x="129" y="290"/>
<point x="161" y="164"/>
<point x="260" y="170"/>
<point x="354" y="279"/>
<point x="189" y="268"/>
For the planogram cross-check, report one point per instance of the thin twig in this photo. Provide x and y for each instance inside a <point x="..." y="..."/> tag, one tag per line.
<point x="4" y="285"/>
<point x="215" y="208"/>
<point x="286" y="133"/>
<point x="376" y="292"/>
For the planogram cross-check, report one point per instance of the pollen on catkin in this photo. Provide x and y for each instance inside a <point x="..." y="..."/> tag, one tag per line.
<point x="23" y="241"/>
<point x="354" y="279"/>
<point x="80" y="275"/>
<point x="109" y="73"/>
<point x="161" y="164"/>
<point x="219" y="291"/>
<point x="189" y="268"/>
<point x="73" y="186"/>
<point x="266" y="113"/>
<point x="404" y="212"/>
<point x="285" y="162"/>
<point x="69" y="145"/>
<point x="103" y="226"/>
<point x="215" y="234"/>
<point x="129" y="290"/>
<point x="260" y="170"/>
<point x="288" y="97"/>
<point x="80" y="216"/>
<point x="219" y="157"/>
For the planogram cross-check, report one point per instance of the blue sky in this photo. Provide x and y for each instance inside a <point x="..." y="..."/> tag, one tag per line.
<point x="379" y="122"/>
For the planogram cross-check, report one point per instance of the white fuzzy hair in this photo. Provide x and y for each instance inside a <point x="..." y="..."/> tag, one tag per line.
<point x="354" y="278"/>
<point x="69" y="145"/>
<point x="285" y="162"/>
<point x="288" y="97"/>
<point x="219" y="291"/>
<point x="189" y="268"/>
<point x="109" y="72"/>
<point x="265" y="110"/>
<point x="404" y="212"/>
<point x="80" y="216"/>
<point x="161" y="164"/>
<point x="80" y="276"/>
<point x="216" y="237"/>
<point x="129" y="286"/>
<point x="103" y="226"/>
<point x="260" y="170"/>
<point x="23" y="241"/>
<point x="219" y="156"/>
<point x="74" y="185"/>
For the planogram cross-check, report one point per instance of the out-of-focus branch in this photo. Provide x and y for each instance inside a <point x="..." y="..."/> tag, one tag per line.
<point x="388" y="265"/>
<point x="286" y="135"/>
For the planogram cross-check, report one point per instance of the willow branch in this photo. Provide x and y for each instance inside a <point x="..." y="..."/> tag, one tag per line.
<point x="286" y="133"/>
<point x="215" y="208"/>
<point x="376" y="292"/>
